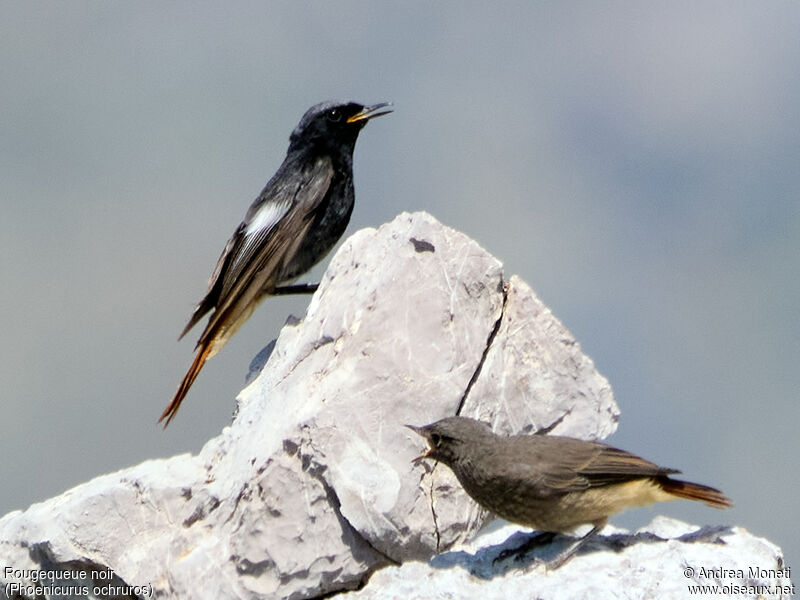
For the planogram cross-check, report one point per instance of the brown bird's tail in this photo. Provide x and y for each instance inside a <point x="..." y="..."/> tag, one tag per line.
<point x="694" y="491"/>
<point x="203" y="354"/>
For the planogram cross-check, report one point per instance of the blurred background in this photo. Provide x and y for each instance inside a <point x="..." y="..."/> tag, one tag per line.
<point x="637" y="163"/>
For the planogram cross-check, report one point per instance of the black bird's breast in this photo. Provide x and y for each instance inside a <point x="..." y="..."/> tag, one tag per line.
<point x="329" y="223"/>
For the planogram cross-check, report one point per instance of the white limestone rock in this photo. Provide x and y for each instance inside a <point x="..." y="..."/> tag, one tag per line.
<point x="534" y="370"/>
<point x="311" y="489"/>
<point x="661" y="560"/>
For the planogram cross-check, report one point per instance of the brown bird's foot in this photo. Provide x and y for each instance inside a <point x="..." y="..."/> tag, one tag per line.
<point x="535" y="540"/>
<point x="561" y="559"/>
<point x="297" y="288"/>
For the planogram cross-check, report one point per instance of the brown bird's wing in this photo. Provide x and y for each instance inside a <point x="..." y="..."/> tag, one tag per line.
<point x="555" y="465"/>
<point x="261" y="247"/>
<point x="611" y="465"/>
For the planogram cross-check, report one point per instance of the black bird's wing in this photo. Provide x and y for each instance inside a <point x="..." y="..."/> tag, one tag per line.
<point x="253" y="259"/>
<point x="263" y="244"/>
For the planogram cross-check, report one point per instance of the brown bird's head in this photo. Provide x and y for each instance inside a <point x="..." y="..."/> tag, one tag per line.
<point x="452" y="439"/>
<point x="334" y="124"/>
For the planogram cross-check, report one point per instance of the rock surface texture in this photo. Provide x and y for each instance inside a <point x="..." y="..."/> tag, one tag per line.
<point x="666" y="559"/>
<point x="311" y="490"/>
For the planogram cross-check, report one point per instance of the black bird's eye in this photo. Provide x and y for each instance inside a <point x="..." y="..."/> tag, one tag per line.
<point x="436" y="439"/>
<point x="334" y="115"/>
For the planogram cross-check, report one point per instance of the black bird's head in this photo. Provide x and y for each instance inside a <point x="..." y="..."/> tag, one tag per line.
<point x="334" y="125"/>
<point x="451" y="439"/>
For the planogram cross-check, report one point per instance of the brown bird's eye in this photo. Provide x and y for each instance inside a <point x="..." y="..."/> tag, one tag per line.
<point x="436" y="439"/>
<point x="335" y="115"/>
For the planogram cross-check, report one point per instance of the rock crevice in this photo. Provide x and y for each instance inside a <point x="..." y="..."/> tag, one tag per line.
<point x="492" y="335"/>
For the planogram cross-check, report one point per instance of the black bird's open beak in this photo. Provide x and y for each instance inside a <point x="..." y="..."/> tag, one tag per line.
<point x="427" y="453"/>
<point x="370" y="112"/>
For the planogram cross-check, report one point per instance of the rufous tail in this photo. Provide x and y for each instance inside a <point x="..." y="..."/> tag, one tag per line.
<point x="695" y="491"/>
<point x="203" y="354"/>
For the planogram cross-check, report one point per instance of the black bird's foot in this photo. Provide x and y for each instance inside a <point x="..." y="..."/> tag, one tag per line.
<point x="297" y="288"/>
<point x="534" y="541"/>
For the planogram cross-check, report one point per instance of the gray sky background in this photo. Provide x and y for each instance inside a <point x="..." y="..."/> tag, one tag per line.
<point x="637" y="163"/>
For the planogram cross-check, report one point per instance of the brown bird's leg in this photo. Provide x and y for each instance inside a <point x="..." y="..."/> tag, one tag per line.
<point x="297" y="288"/>
<point x="562" y="558"/>
<point x="541" y="538"/>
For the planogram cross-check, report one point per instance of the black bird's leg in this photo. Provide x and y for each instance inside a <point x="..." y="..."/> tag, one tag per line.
<point x="570" y="552"/>
<point x="535" y="540"/>
<point x="297" y="288"/>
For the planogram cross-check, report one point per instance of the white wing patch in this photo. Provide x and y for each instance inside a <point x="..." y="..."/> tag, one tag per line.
<point x="266" y="217"/>
<point x="260" y="228"/>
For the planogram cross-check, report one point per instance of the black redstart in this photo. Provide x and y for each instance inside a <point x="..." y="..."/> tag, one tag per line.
<point x="550" y="483"/>
<point x="295" y="221"/>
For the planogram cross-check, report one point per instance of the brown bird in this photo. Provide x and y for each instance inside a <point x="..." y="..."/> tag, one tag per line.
<point x="299" y="216"/>
<point x="550" y="483"/>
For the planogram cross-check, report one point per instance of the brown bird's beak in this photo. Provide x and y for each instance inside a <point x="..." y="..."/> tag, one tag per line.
<point x="421" y="431"/>
<point x="370" y="112"/>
